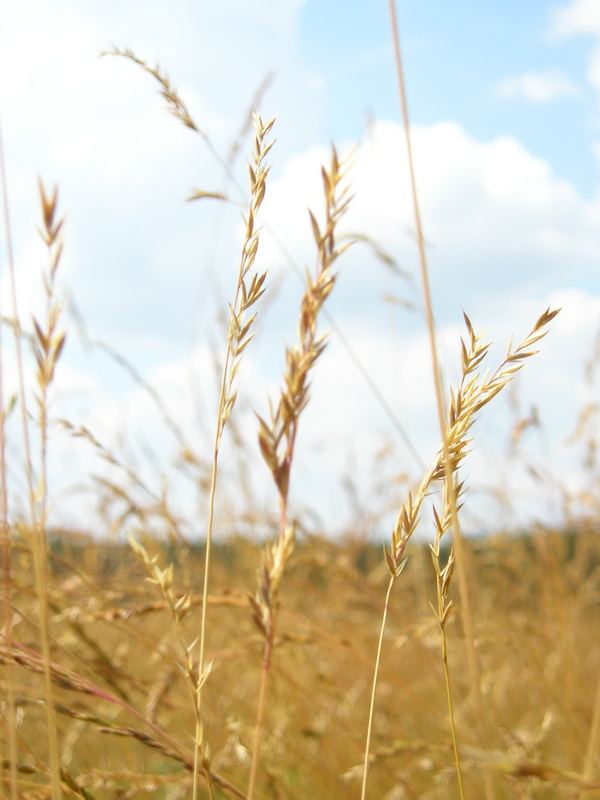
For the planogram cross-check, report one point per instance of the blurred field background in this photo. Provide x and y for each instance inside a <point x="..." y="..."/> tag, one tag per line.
<point x="536" y="605"/>
<point x="197" y="613"/>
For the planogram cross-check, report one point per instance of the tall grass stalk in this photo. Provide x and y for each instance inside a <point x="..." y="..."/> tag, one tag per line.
<point x="367" y="756"/>
<point x="38" y="543"/>
<point x="249" y="288"/>
<point x="474" y="392"/>
<point x="277" y="435"/>
<point x="48" y="343"/>
<point x="463" y="584"/>
<point x="7" y="626"/>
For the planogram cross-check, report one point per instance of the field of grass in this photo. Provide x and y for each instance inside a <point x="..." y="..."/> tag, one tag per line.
<point x="296" y="666"/>
<point x="114" y="649"/>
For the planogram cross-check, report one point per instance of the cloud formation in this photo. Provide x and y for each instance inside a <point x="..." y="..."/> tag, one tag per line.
<point x="537" y="87"/>
<point x="580" y="18"/>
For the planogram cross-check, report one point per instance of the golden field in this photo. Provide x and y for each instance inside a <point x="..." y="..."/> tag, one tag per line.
<point x="536" y="606"/>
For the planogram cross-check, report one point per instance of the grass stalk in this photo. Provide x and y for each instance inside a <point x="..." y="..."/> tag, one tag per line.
<point x="463" y="585"/>
<point x="277" y="436"/>
<point x="34" y="526"/>
<point x="48" y="346"/>
<point x="474" y="392"/>
<point x="443" y="576"/>
<point x="7" y="624"/>
<point x="450" y="704"/>
<point x="260" y="712"/>
<point x="249" y="289"/>
<point x="593" y="745"/>
<point x="363" y="792"/>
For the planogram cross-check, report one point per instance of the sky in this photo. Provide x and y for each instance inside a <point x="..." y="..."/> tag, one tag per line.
<point x="504" y="101"/>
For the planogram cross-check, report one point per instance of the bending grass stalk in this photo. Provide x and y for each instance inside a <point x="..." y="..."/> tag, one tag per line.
<point x="277" y="437"/>
<point x="474" y="392"/>
<point x="238" y="337"/>
<point x="363" y="792"/>
<point x="465" y="604"/>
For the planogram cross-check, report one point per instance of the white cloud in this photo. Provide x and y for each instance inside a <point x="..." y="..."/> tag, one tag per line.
<point x="495" y="215"/>
<point x="576" y="17"/>
<point x="580" y="18"/>
<point x="537" y="87"/>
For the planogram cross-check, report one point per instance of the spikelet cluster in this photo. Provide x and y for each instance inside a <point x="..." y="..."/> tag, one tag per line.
<point x="174" y="102"/>
<point x="251" y="285"/>
<point x="474" y="392"/>
<point x="48" y="340"/>
<point x="277" y="435"/>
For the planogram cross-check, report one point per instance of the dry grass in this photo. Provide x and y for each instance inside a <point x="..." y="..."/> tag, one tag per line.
<point x="277" y="436"/>
<point x="170" y="670"/>
<point x="124" y="705"/>
<point x="475" y="391"/>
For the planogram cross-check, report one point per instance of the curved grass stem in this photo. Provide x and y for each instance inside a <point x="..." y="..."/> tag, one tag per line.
<point x="363" y="792"/>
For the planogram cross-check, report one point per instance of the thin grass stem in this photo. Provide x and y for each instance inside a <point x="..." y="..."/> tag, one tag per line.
<point x="249" y="288"/>
<point x="593" y="745"/>
<point x="35" y="529"/>
<point x="363" y="792"/>
<point x="465" y="605"/>
<point x="6" y="591"/>
<point x="260" y="713"/>
<point x="207" y="560"/>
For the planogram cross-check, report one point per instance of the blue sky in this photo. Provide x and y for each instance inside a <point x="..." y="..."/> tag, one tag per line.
<point x="505" y="108"/>
<point x="455" y="55"/>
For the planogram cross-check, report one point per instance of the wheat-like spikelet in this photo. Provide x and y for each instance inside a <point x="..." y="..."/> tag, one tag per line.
<point x="277" y="435"/>
<point x="249" y="288"/>
<point x="48" y="343"/>
<point x="179" y="609"/>
<point x="474" y="392"/>
<point x="174" y="102"/>
<point x="250" y="285"/>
